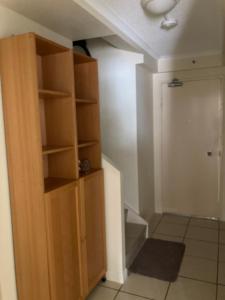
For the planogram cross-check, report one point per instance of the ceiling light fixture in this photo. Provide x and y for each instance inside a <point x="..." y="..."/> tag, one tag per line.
<point x="168" y="23"/>
<point x="159" y="7"/>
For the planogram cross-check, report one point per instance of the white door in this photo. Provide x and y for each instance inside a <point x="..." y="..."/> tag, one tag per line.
<point x="191" y="147"/>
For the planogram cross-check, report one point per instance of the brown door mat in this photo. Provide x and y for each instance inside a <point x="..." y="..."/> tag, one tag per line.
<point x="159" y="259"/>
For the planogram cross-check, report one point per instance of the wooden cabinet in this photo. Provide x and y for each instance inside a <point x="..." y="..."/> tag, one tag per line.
<point x="63" y="239"/>
<point x="51" y="114"/>
<point x="23" y="141"/>
<point x="92" y="228"/>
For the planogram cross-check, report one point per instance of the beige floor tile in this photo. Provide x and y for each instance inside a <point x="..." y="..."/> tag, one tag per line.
<point x="167" y="237"/>
<point x="175" y="219"/>
<point x="188" y="289"/>
<point x="222" y="253"/>
<point x="111" y="284"/>
<point x="171" y="229"/>
<point x="201" y="249"/>
<point x="221" y="273"/>
<point x="204" y="223"/>
<point x="199" y="268"/>
<point x="125" y="296"/>
<point x="221" y="292"/>
<point x="145" y="287"/>
<point x="203" y="234"/>
<point x="102" y="293"/>
<point x="222" y="225"/>
<point x="222" y="237"/>
<point x="154" y="222"/>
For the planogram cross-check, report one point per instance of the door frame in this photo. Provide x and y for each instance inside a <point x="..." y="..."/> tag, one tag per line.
<point x="158" y="81"/>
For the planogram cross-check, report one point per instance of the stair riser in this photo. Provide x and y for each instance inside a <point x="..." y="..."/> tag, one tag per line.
<point x="136" y="247"/>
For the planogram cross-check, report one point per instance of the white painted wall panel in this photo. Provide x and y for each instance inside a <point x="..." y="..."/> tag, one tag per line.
<point x="117" y="78"/>
<point x="145" y="141"/>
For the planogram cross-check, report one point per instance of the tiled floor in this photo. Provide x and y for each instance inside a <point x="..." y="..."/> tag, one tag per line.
<point x="202" y="273"/>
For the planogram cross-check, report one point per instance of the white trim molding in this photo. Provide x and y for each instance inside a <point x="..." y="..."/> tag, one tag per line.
<point x="190" y="62"/>
<point x="105" y="14"/>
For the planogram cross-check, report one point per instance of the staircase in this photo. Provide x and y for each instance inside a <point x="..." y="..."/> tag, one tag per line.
<point x="136" y="228"/>
<point x="135" y="235"/>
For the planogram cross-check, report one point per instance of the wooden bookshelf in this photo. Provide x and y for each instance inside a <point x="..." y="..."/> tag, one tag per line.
<point x="47" y="92"/>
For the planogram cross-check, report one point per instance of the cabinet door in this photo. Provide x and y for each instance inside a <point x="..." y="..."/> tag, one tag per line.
<point x="93" y="227"/>
<point x="64" y="243"/>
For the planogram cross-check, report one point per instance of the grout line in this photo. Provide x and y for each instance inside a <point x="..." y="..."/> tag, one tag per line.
<point x="221" y="284"/>
<point x="167" y="292"/>
<point x="199" y="280"/>
<point x="175" y="236"/>
<point x="156" y="226"/>
<point x="187" y="227"/>
<point x="108" y="287"/>
<point x="154" y="231"/>
<point x="132" y="294"/>
<point x="210" y="242"/>
<point x="204" y="227"/>
<point x="200" y="257"/>
<point x="118" y="291"/>
<point x="218" y="253"/>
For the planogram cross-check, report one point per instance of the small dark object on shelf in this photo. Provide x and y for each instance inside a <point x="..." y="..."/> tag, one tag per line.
<point x="84" y="166"/>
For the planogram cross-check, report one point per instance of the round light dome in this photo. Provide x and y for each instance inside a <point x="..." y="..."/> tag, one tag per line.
<point x="159" y="7"/>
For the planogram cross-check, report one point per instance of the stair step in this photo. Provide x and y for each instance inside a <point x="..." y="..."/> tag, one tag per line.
<point x="135" y="237"/>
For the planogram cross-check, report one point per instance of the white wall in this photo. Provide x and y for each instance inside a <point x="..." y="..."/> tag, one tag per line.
<point x="7" y="275"/>
<point x="117" y="78"/>
<point x="115" y="241"/>
<point x="145" y="141"/>
<point x="190" y="63"/>
<point x="12" y="23"/>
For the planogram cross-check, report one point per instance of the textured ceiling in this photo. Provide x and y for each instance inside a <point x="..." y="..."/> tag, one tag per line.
<point x="200" y="29"/>
<point x="62" y="16"/>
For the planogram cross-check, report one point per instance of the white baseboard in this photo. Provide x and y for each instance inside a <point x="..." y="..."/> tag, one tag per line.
<point x="116" y="276"/>
<point x="125" y="274"/>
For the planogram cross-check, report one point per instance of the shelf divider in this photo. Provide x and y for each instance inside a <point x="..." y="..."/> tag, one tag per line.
<point x="51" y="94"/>
<point x="55" y="149"/>
<point x="84" y="144"/>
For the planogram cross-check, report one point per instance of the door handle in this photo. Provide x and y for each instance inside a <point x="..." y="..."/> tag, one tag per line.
<point x="216" y="153"/>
